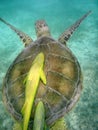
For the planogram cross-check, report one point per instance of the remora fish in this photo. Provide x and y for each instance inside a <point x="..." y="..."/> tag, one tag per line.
<point x="39" y="117"/>
<point x="35" y="74"/>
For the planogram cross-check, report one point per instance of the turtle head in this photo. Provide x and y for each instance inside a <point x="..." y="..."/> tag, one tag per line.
<point x="42" y="28"/>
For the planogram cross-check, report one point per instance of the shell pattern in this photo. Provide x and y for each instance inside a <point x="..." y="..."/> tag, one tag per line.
<point x="62" y="70"/>
<point x="63" y="76"/>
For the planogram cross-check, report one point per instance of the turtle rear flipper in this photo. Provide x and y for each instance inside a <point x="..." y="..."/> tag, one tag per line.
<point x="23" y="36"/>
<point x="67" y="34"/>
<point x="17" y="126"/>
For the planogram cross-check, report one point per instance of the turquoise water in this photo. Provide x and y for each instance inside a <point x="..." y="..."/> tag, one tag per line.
<point x="59" y="15"/>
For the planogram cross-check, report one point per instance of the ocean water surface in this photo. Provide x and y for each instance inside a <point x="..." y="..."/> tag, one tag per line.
<point x="59" y="14"/>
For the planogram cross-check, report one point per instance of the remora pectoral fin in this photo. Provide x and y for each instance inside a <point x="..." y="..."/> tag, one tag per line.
<point x="23" y="36"/>
<point x="24" y="107"/>
<point x="25" y="80"/>
<point x="43" y="77"/>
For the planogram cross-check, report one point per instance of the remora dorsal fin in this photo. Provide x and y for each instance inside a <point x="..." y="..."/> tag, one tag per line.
<point x="23" y="36"/>
<point x="67" y="34"/>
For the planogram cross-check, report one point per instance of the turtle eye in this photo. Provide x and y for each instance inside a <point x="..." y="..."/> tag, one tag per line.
<point x="21" y="36"/>
<point x="44" y="24"/>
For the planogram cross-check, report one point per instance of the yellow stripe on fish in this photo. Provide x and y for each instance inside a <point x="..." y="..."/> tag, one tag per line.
<point x="35" y="74"/>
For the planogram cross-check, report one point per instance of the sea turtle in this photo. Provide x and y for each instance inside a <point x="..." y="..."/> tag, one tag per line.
<point x="62" y="70"/>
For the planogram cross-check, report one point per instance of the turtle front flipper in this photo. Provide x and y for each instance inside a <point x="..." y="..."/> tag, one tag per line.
<point x="66" y="35"/>
<point x="23" y="36"/>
